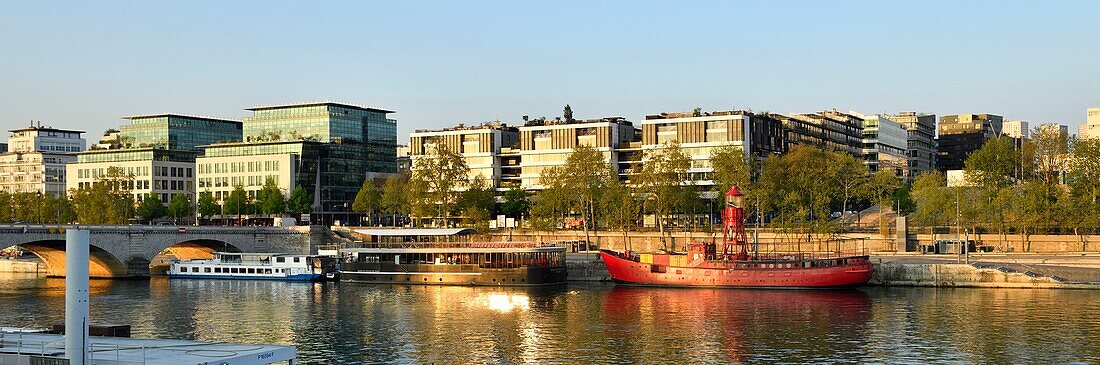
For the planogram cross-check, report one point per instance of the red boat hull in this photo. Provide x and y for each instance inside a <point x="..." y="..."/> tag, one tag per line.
<point x="837" y="273"/>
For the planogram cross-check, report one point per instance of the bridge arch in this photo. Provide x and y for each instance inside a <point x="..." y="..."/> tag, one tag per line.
<point x="190" y="249"/>
<point x="101" y="263"/>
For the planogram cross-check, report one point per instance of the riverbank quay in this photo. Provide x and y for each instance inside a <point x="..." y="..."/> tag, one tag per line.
<point x="19" y="265"/>
<point x="1069" y="271"/>
<point x="1000" y="270"/>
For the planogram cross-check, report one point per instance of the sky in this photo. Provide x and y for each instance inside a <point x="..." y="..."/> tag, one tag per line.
<point x="84" y="65"/>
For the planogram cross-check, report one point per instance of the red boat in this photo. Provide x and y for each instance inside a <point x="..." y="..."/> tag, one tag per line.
<point x="704" y="266"/>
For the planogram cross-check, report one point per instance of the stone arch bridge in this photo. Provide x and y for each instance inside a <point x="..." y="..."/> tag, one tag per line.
<point x="128" y="251"/>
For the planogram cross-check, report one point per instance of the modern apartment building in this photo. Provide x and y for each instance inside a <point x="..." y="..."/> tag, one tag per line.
<point x="481" y="147"/>
<point x="831" y="130"/>
<point x="547" y="143"/>
<point x="1091" y="128"/>
<point x="356" y="143"/>
<point x="699" y="135"/>
<point x="921" y="142"/>
<point x="35" y="157"/>
<point x="885" y="145"/>
<point x="1016" y="129"/>
<point x="157" y="150"/>
<point x="962" y="134"/>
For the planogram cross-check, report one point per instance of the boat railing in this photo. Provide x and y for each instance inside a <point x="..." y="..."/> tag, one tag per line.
<point x="513" y="244"/>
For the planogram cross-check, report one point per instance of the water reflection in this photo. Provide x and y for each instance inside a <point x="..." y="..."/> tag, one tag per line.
<point x="338" y="323"/>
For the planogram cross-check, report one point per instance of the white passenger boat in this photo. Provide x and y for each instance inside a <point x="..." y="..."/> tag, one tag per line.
<point x="254" y="266"/>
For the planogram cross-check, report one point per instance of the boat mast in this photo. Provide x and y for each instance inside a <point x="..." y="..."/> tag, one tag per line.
<point x="734" y="245"/>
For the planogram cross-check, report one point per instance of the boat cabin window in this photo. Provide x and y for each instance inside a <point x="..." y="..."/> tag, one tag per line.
<point x="206" y="270"/>
<point x="297" y="259"/>
<point x="267" y="271"/>
<point x="233" y="270"/>
<point x="280" y="259"/>
<point x="195" y="269"/>
<point x="183" y="269"/>
<point x="251" y="270"/>
<point x="217" y="270"/>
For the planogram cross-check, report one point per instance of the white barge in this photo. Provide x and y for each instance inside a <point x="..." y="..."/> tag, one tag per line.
<point x="254" y="266"/>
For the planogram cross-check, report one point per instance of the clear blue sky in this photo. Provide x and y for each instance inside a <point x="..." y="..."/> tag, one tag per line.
<point x="85" y="64"/>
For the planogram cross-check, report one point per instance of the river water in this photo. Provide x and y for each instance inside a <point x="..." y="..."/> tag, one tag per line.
<point x="344" y="323"/>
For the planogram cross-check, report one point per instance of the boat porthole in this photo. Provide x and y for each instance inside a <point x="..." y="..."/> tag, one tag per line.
<point x="425" y="279"/>
<point x="494" y="280"/>
<point x="523" y="280"/>
<point x="391" y="278"/>
<point x="407" y="279"/>
<point x="440" y="279"/>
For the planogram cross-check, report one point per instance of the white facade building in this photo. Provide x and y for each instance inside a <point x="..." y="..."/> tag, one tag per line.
<point x="699" y="135"/>
<point x="1091" y="128"/>
<point x="35" y="159"/>
<point x="148" y="168"/>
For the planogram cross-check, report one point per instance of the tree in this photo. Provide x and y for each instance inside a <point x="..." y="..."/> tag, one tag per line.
<point x="1084" y="183"/>
<point x="477" y="202"/>
<point x="180" y="207"/>
<point x="581" y="179"/>
<point x="621" y="209"/>
<point x="300" y="201"/>
<point x="393" y="199"/>
<point x="992" y="166"/>
<point x="991" y="169"/>
<point x="441" y="172"/>
<point x="730" y="168"/>
<point x="664" y="170"/>
<point x="207" y="205"/>
<point x="517" y="202"/>
<point x="935" y="204"/>
<point x="799" y="188"/>
<point x="880" y="189"/>
<point x="151" y="208"/>
<point x="106" y="201"/>
<point x="368" y="200"/>
<point x="270" y="200"/>
<point x="237" y="202"/>
<point x="568" y="113"/>
<point x="849" y="174"/>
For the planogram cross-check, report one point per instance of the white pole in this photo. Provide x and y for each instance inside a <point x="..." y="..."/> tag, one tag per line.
<point x="76" y="296"/>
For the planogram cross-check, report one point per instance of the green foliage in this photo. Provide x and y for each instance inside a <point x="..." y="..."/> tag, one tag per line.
<point x="300" y="200"/>
<point x="368" y="200"/>
<point x="517" y="202"/>
<point x="935" y="204"/>
<point x="994" y="165"/>
<point x="180" y="207"/>
<point x="238" y="202"/>
<point x="477" y="203"/>
<point x="270" y="199"/>
<point x="438" y="174"/>
<point x="661" y="181"/>
<point x="107" y="201"/>
<point x="151" y="208"/>
<point x="800" y="187"/>
<point x="35" y="208"/>
<point x="393" y="200"/>
<point x="621" y="209"/>
<point x="208" y="206"/>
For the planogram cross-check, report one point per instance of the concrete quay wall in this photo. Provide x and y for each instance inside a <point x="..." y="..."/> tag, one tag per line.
<point x="22" y="266"/>
<point x="963" y="275"/>
<point x="872" y="242"/>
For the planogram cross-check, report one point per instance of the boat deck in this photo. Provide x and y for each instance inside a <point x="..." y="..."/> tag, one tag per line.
<point x="128" y="351"/>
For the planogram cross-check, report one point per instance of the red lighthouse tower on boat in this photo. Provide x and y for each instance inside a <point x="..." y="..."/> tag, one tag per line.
<point x="733" y="266"/>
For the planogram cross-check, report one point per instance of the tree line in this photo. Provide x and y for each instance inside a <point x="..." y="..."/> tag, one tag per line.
<point x="1048" y="184"/>
<point x="109" y="201"/>
<point x="795" y="191"/>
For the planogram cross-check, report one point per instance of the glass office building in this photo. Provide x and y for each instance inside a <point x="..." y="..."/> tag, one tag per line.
<point x="357" y="142"/>
<point x="250" y="165"/>
<point x="177" y="132"/>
